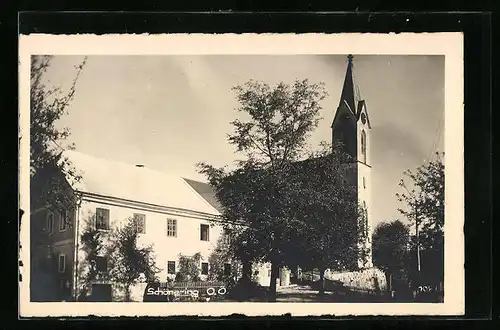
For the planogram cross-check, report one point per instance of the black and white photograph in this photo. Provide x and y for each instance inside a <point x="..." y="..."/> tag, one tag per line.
<point x="231" y="181"/>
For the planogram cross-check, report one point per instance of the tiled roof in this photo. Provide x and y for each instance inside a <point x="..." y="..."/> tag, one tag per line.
<point x="141" y="184"/>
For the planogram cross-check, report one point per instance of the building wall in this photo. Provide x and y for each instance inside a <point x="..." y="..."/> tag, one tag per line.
<point x="364" y="183"/>
<point x="262" y="275"/>
<point x="46" y="247"/>
<point x="39" y="227"/>
<point x="166" y="248"/>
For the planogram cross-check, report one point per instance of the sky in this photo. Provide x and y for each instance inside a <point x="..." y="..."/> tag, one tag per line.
<point x="171" y="112"/>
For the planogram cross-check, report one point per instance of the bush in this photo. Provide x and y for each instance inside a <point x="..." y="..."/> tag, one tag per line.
<point x="188" y="268"/>
<point x="246" y="289"/>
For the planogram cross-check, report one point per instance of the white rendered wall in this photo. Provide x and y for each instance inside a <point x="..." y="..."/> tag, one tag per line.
<point x="166" y="248"/>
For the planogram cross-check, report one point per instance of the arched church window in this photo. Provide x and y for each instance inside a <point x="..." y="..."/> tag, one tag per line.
<point x="363" y="145"/>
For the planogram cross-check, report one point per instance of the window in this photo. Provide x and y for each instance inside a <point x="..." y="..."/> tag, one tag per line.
<point x="227" y="269"/>
<point x="268" y="273"/>
<point x="101" y="264"/>
<point x="63" y="220"/>
<point x="171" y="267"/>
<point x="140" y="222"/>
<point x="50" y="222"/>
<point x="62" y="263"/>
<point x="227" y="237"/>
<point x="102" y="218"/>
<point x="364" y="183"/>
<point x="50" y="251"/>
<point x="171" y="227"/>
<point x="204" y="268"/>
<point x="204" y="232"/>
<point x="363" y="145"/>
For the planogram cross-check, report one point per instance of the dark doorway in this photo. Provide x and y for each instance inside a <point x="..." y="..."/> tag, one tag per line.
<point x="101" y="292"/>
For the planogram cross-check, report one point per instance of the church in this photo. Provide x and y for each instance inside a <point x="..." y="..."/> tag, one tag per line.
<point x="351" y="127"/>
<point x="178" y="220"/>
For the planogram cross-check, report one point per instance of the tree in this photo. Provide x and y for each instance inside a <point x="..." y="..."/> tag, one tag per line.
<point x="280" y="120"/>
<point x="49" y="170"/>
<point x="219" y="257"/>
<point x="47" y="106"/>
<point x="424" y="201"/>
<point x="390" y="247"/>
<point x="328" y="230"/>
<point x="95" y="245"/>
<point x="129" y="260"/>
<point x="189" y="268"/>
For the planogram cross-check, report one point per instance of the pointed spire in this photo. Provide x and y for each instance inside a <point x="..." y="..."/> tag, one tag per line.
<point x="348" y="91"/>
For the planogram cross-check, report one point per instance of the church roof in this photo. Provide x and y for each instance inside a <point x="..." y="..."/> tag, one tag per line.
<point x="141" y="184"/>
<point x="350" y="95"/>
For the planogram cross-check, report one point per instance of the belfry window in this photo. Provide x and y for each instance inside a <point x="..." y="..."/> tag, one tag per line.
<point x="363" y="145"/>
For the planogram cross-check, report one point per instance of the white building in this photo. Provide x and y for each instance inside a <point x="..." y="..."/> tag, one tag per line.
<point x="176" y="216"/>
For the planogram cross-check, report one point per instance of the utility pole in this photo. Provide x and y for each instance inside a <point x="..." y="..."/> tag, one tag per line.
<point x="417" y="233"/>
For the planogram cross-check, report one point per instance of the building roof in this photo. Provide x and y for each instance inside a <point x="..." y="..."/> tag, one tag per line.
<point x="116" y="179"/>
<point x="349" y="94"/>
<point x="206" y="191"/>
<point x="350" y="102"/>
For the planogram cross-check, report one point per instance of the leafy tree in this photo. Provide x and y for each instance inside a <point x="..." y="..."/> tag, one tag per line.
<point x="221" y="255"/>
<point x="47" y="106"/>
<point x="94" y="244"/>
<point x="189" y="269"/>
<point x="49" y="170"/>
<point x="391" y="247"/>
<point x="280" y="120"/>
<point x="326" y="226"/>
<point x="131" y="261"/>
<point x="424" y="199"/>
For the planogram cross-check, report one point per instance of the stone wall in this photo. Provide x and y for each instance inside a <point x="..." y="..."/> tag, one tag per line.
<point x="367" y="279"/>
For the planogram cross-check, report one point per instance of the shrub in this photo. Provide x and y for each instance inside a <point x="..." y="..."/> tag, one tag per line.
<point x="246" y="289"/>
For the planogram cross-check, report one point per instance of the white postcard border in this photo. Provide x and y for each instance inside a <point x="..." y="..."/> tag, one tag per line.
<point x="448" y="44"/>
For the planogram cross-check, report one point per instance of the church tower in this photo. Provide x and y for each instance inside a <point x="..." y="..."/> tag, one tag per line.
<point x="351" y="127"/>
